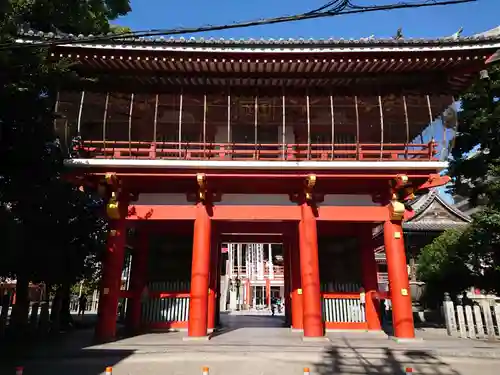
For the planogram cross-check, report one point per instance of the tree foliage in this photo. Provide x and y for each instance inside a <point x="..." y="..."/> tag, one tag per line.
<point x="479" y="120"/>
<point x="478" y="177"/>
<point x="441" y="267"/>
<point x="51" y="231"/>
<point x="475" y="171"/>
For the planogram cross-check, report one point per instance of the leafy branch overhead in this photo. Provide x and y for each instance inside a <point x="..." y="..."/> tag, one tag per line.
<point x="51" y="231"/>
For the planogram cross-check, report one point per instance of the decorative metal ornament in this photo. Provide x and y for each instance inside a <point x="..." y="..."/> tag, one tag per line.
<point x="113" y="207"/>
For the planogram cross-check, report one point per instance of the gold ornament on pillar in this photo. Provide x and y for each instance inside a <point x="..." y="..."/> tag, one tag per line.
<point x="111" y="178"/>
<point x="399" y="194"/>
<point x="111" y="188"/>
<point x="113" y="207"/>
<point x="309" y="186"/>
<point x="202" y="186"/>
<point x="396" y="209"/>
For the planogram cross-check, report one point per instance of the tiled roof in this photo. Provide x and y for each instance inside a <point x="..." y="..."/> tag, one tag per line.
<point x="431" y="227"/>
<point x="480" y="39"/>
<point x="420" y="206"/>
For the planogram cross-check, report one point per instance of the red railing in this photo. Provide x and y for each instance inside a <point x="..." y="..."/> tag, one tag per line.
<point x="278" y="271"/>
<point x="244" y="151"/>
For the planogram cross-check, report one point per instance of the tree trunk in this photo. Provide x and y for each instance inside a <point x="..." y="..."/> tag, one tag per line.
<point x="19" y="318"/>
<point x="65" y="316"/>
<point x="55" y="311"/>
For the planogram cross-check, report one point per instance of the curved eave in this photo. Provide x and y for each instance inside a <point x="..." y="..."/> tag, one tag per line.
<point x="346" y="68"/>
<point x="431" y="226"/>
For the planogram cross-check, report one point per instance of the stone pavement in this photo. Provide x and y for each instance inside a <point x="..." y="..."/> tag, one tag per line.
<point x="259" y="345"/>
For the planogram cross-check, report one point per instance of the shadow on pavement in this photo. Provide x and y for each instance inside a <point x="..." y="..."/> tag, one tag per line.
<point x="53" y="352"/>
<point x="370" y="361"/>
<point x="94" y="363"/>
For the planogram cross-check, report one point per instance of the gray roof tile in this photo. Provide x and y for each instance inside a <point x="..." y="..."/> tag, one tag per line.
<point x="290" y="42"/>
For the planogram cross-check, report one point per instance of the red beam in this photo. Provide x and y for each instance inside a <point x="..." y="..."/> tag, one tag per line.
<point x="261" y="213"/>
<point x="283" y="175"/>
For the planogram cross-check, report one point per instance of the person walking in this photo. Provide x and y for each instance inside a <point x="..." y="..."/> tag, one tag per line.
<point x="82" y="305"/>
<point x="273" y="305"/>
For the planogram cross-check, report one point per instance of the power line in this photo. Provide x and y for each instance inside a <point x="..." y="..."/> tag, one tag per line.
<point x="330" y="9"/>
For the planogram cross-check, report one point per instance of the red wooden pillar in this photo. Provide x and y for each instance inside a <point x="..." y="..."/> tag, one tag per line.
<point x="138" y="279"/>
<point x="217" y="300"/>
<point x="402" y="315"/>
<point x="112" y="268"/>
<point x="200" y="270"/>
<point x="249" y="297"/>
<point x="296" y="283"/>
<point x="212" y="296"/>
<point x="268" y="292"/>
<point x="369" y="278"/>
<point x="309" y="269"/>
<point x="286" y="275"/>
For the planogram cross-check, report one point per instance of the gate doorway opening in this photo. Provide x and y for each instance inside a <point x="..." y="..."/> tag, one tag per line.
<point x="252" y="284"/>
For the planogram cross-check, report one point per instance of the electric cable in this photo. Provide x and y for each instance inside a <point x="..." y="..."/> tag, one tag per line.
<point x="338" y="7"/>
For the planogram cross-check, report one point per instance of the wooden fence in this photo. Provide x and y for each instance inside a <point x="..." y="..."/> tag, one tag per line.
<point x="343" y="311"/>
<point x="478" y="320"/>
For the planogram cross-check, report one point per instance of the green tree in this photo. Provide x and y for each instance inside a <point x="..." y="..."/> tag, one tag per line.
<point x="475" y="170"/>
<point x="479" y="120"/>
<point x="442" y="268"/>
<point x="51" y="231"/>
<point x="117" y="29"/>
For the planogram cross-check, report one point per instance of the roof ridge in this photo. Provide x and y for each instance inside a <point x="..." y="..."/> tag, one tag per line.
<point x="454" y="210"/>
<point x="431" y="197"/>
<point x="262" y="41"/>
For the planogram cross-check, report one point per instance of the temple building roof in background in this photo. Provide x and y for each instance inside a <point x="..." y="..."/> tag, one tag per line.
<point x="432" y="214"/>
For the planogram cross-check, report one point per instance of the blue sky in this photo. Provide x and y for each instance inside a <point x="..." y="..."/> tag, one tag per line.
<point x="429" y="22"/>
<point x="425" y="22"/>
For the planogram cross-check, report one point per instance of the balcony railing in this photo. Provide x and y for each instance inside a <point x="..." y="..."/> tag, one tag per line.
<point x="278" y="272"/>
<point x="261" y="151"/>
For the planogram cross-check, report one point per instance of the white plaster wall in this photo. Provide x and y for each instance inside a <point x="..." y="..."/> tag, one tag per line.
<point x="256" y="199"/>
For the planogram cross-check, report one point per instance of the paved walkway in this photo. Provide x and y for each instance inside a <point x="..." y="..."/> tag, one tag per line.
<point x="250" y="345"/>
